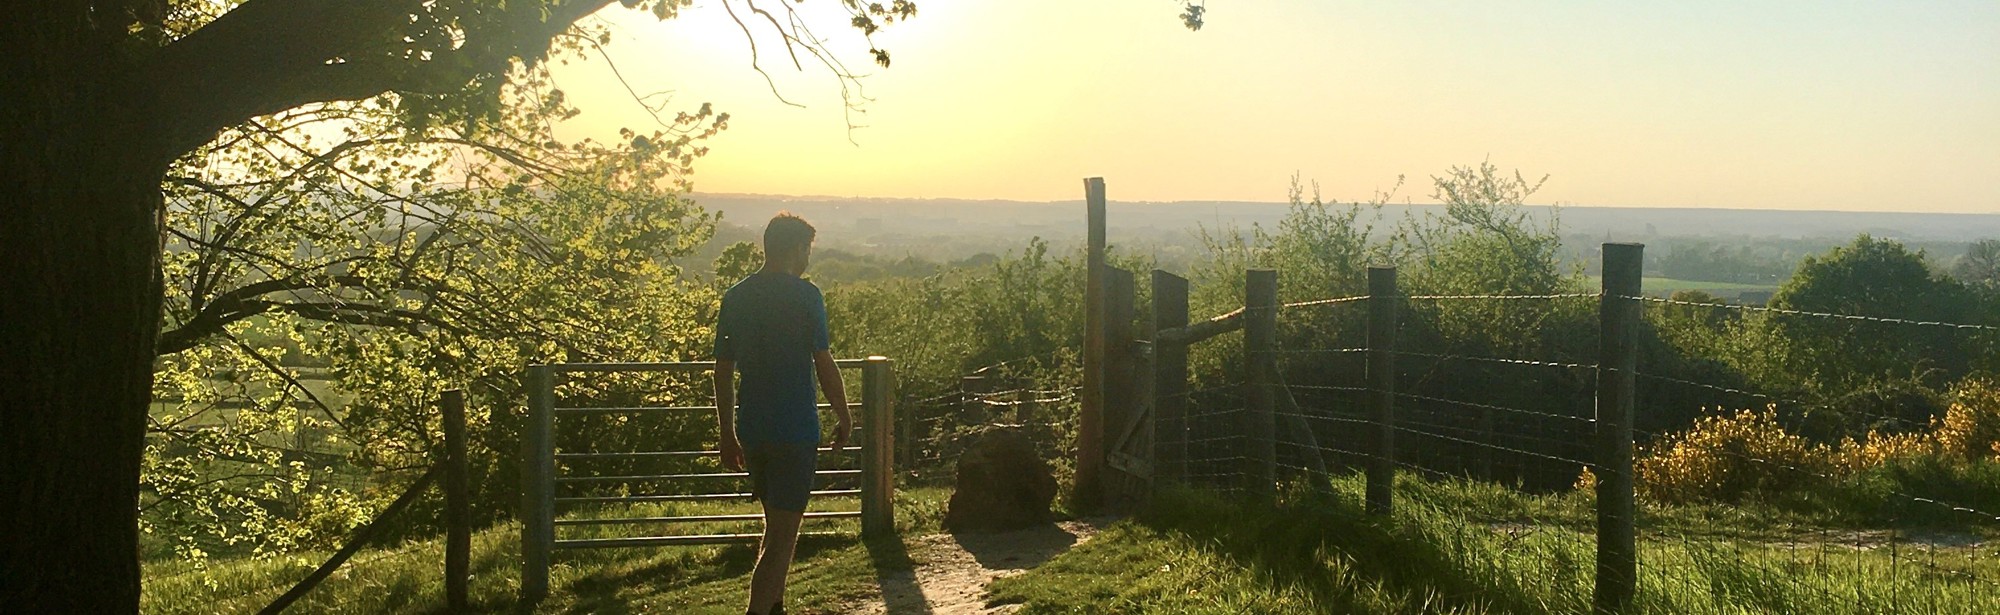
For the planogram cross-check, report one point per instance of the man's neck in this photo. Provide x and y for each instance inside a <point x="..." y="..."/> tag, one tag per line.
<point x="777" y="269"/>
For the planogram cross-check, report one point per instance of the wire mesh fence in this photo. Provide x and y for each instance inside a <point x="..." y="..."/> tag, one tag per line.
<point x="1037" y="394"/>
<point x="1745" y="503"/>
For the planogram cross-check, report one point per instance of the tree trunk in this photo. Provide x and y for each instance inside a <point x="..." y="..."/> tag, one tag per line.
<point x="79" y="310"/>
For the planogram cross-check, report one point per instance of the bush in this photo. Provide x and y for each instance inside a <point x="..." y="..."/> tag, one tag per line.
<point x="1883" y="475"/>
<point x="1725" y="458"/>
<point x="1970" y="428"/>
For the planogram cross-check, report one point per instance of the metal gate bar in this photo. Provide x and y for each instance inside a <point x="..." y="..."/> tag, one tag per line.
<point x="874" y="437"/>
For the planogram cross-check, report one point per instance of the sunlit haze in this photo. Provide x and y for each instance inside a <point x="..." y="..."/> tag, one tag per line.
<point x="1778" y="105"/>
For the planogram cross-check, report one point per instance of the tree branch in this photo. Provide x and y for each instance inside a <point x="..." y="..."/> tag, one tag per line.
<point x="267" y="56"/>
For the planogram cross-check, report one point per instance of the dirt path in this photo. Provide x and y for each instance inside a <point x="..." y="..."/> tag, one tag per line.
<point x="952" y="570"/>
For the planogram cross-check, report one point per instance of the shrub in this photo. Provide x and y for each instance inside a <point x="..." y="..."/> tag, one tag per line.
<point x="1970" y="428"/>
<point x="1726" y="457"/>
<point x="1880" y="449"/>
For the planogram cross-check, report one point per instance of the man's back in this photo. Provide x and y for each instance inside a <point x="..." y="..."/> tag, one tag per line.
<point x="771" y="324"/>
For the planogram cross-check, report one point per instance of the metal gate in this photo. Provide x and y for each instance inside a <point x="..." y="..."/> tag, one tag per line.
<point x="545" y="470"/>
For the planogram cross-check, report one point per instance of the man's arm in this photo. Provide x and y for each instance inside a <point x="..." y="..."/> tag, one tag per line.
<point x="725" y="414"/>
<point x="836" y="396"/>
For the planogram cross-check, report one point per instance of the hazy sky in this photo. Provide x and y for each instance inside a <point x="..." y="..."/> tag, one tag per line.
<point x="1791" y="105"/>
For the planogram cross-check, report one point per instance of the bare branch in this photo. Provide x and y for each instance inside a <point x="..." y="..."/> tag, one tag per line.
<point x="752" y="39"/>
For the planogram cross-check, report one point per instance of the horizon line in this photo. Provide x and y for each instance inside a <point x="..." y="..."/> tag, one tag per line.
<point x="827" y="197"/>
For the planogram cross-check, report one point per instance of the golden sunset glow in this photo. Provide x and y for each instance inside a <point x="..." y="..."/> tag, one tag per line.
<point x="1779" y="105"/>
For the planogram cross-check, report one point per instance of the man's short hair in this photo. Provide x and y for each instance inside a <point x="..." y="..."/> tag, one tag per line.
<point x="787" y="232"/>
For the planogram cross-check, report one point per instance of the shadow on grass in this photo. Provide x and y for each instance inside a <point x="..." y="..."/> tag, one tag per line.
<point x="895" y="575"/>
<point x="614" y="590"/>
<point x="1291" y="547"/>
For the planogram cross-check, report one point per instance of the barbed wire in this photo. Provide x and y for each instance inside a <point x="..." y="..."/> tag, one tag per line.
<point x="992" y="366"/>
<point x="1501" y="297"/>
<point x="1481" y="359"/>
<point x="1018" y="391"/>
<point x="1456" y="402"/>
<point x="1326" y="387"/>
<point x="1772" y="310"/>
<point x="1588" y="464"/>
<point x="1323" y="351"/>
<point x="1320" y="302"/>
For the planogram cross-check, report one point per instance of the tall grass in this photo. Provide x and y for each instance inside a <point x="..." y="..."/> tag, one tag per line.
<point x="1462" y="547"/>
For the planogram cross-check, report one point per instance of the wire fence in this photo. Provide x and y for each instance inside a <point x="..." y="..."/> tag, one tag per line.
<point x="1742" y="506"/>
<point x="1037" y="394"/>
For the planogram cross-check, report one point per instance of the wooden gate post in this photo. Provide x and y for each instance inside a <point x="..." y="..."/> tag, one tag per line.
<point x="1090" y="417"/>
<point x="1618" y="355"/>
<point x="1170" y="371"/>
<point x="1384" y="302"/>
<point x="538" y="504"/>
<point x="1260" y="343"/>
<point x="457" y="504"/>
<point x="878" y="474"/>
<point x="1124" y="411"/>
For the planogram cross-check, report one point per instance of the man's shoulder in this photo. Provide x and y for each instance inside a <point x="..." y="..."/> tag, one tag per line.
<point x="749" y="285"/>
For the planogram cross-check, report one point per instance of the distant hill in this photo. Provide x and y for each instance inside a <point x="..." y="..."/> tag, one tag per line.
<point x="897" y="220"/>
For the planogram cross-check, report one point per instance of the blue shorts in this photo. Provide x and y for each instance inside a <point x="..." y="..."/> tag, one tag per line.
<point x="781" y="474"/>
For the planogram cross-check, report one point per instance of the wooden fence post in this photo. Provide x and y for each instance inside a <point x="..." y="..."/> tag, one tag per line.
<point x="1121" y="399"/>
<point x="972" y="399"/>
<point x="1618" y="357"/>
<point x="537" y="485"/>
<point x="457" y="504"/>
<point x="1090" y="417"/>
<point x="878" y="476"/>
<point x="1170" y="371"/>
<point x="1029" y="403"/>
<point x="1384" y="301"/>
<point x="1260" y="343"/>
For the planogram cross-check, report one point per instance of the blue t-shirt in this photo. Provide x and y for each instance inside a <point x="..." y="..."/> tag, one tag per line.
<point x="771" y="324"/>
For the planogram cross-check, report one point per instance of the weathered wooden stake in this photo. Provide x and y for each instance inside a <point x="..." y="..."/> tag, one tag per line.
<point x="457" y="504"/>
<point x="1170" y="372"/>
<point x="1120" y="386"/>
<point x="538" y="503"/>
<point x="1260" y="342"/>
<point x="878" y="479"/>
<point x="362" y="537"/>
<point x="972" y="392"/>
<point x="1088" y="490"/>
<point x="1618" y="357"/>
<point x="1384" y="303"/>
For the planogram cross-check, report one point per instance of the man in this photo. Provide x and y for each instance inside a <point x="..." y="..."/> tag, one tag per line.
<point x="772" y="328"/>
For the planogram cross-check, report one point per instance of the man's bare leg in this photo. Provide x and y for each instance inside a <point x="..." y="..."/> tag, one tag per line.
<point x="781" y="538"/>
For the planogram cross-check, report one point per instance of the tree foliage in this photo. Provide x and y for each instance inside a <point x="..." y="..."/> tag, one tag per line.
<point x="1980" y="265"/>
<point x="331" y="267"/>
<point x="323" y="292"/>
<point x="1870" y="278"/>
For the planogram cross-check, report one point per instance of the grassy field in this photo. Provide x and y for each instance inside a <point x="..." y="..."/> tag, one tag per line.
<point x="1468" y="548"/>
<point x="1451" y="547"/>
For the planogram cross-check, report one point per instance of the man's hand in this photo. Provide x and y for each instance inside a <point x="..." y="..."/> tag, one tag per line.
<point x="841" y="432"/>
<point x="732" y="455"/>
